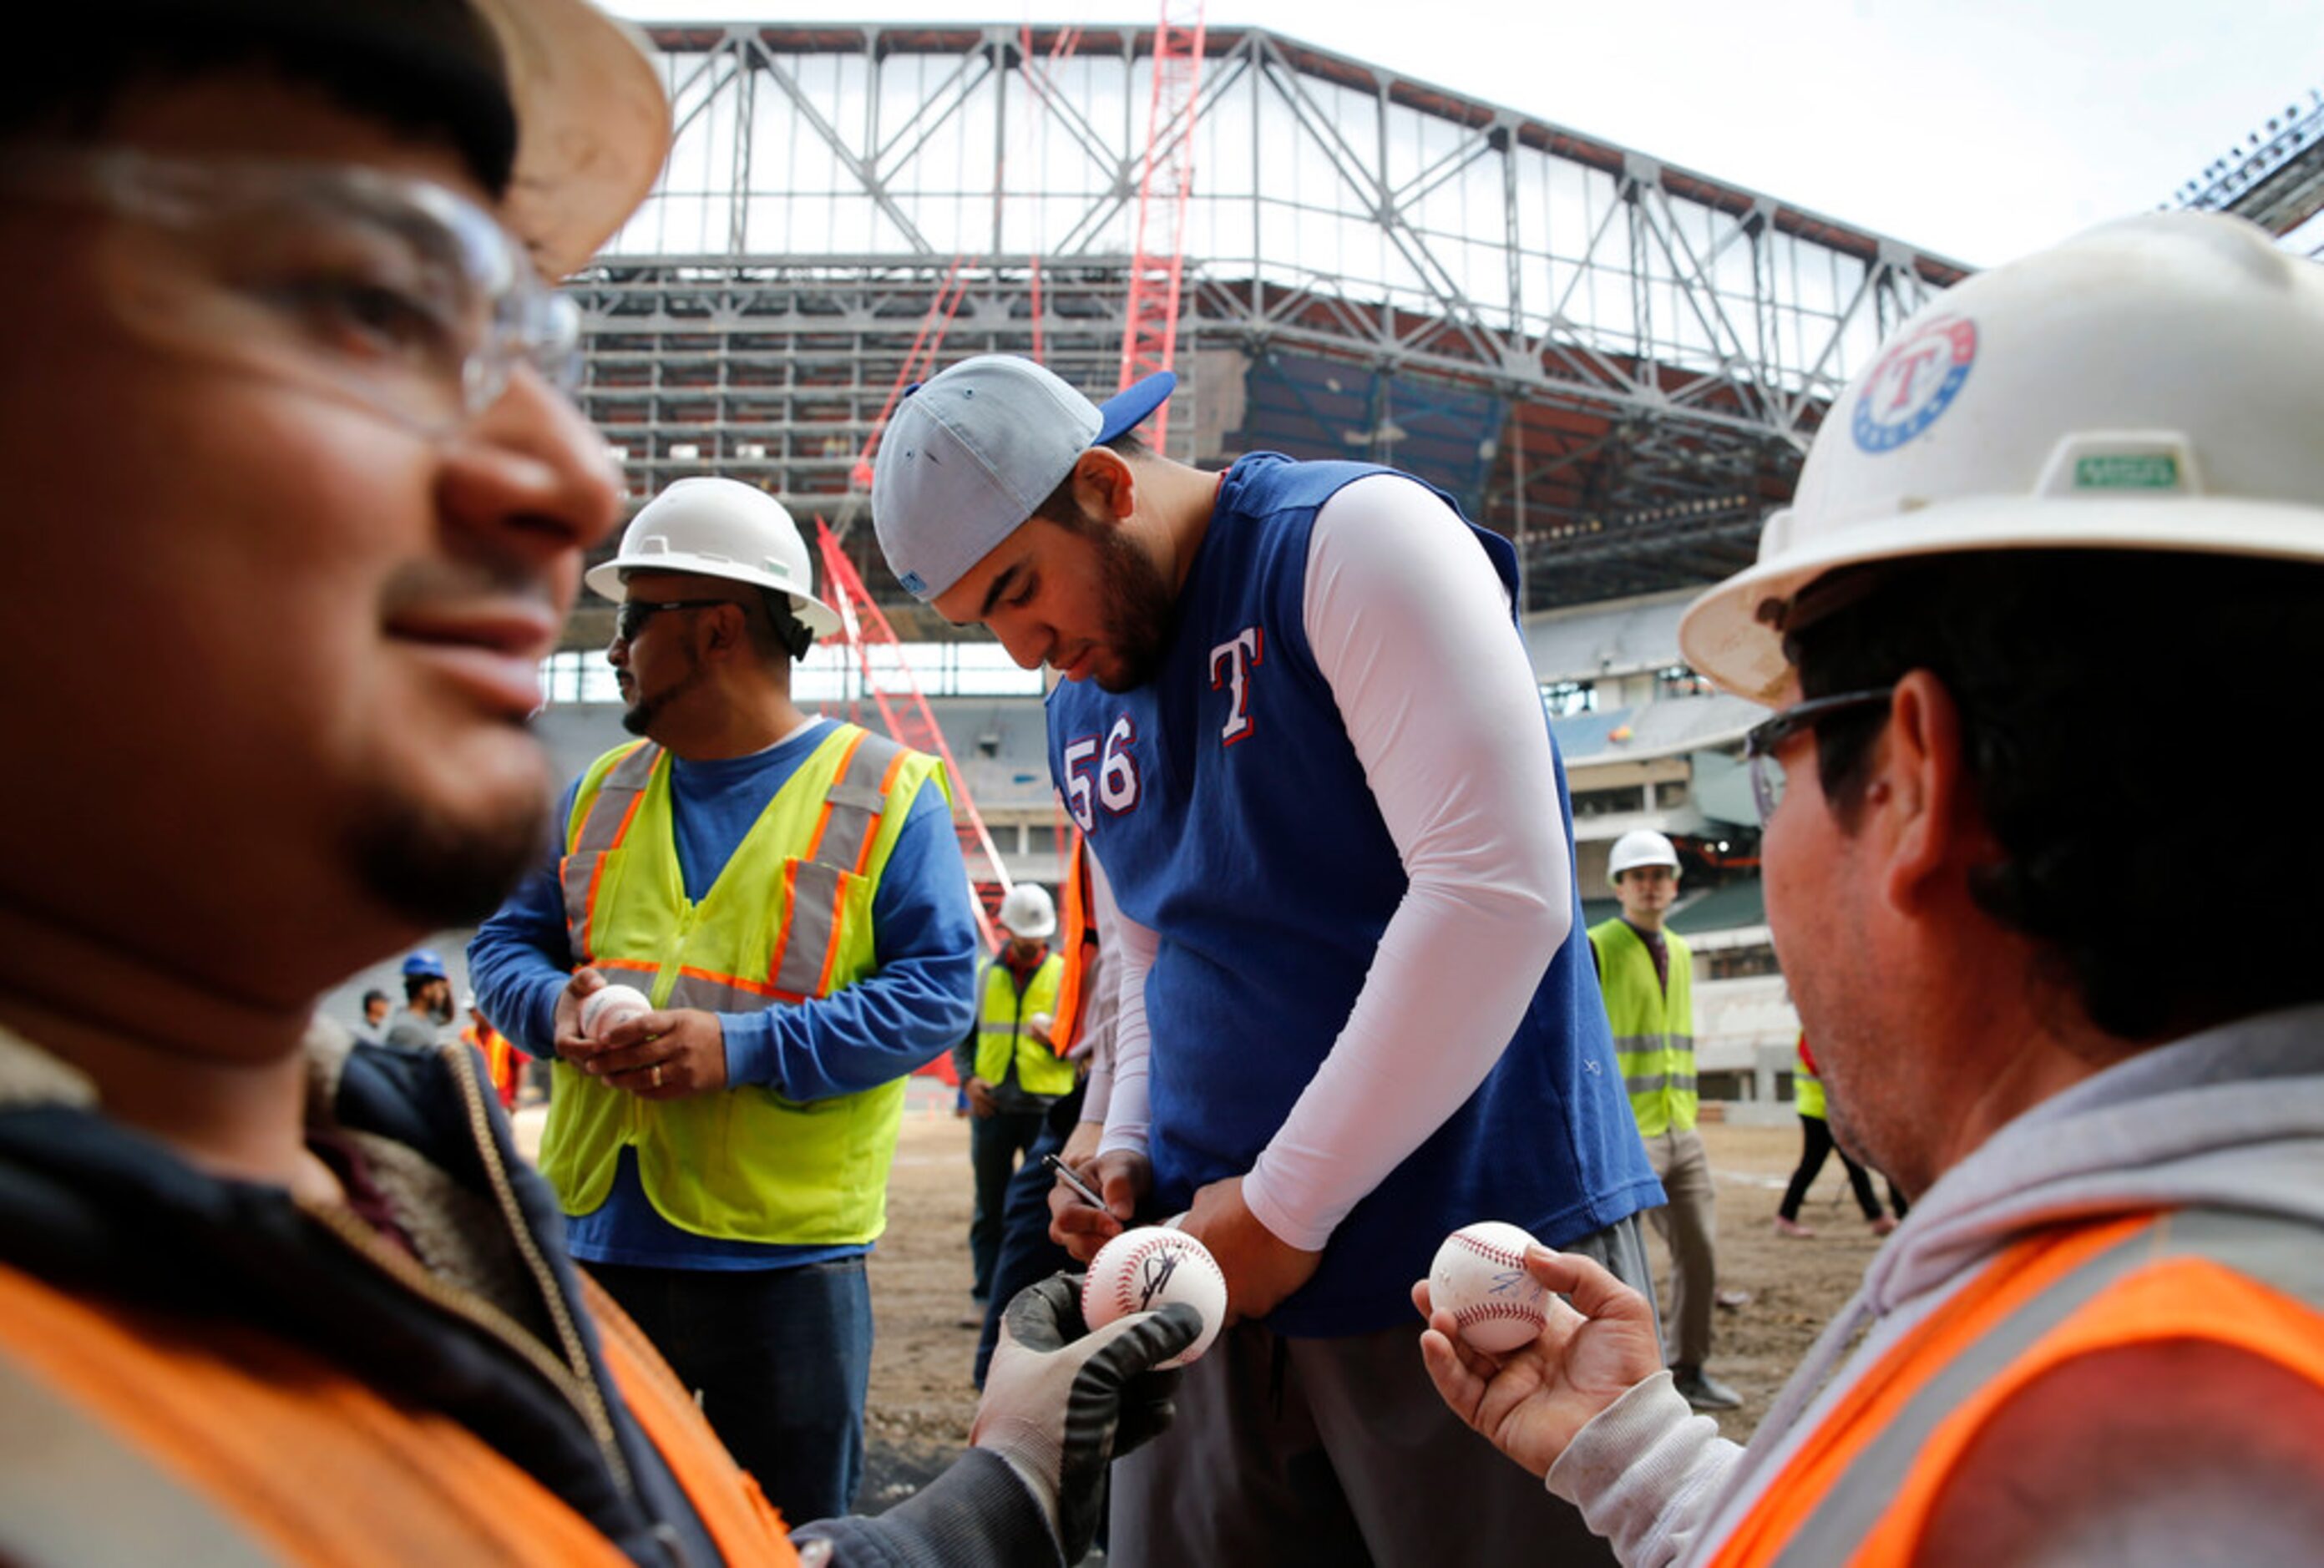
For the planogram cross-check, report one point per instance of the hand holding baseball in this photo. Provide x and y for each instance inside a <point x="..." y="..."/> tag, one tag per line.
<point x="1147" y="1269"/>
<point x="1064" y="1400"/>
<point x="667" y="1055"/>
<point x="572" y="1040"/>
<point x="1530" y="1401"/>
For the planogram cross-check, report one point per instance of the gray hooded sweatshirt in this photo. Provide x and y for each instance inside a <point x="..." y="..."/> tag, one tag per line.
<point x="2230" y="1119"/>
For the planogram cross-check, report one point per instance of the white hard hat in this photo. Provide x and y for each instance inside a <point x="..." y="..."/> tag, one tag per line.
<point x="719" y="527"/>
<point x="1640" y="847"/>
<point x="2151" y="386"/>
<point x="1027" y="911"/>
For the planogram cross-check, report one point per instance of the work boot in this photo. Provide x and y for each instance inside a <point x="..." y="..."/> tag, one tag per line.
<point x="1703" y="1391"/>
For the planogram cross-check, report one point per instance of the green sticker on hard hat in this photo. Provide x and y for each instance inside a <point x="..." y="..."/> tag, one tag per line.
<point x="2127" y="471"/>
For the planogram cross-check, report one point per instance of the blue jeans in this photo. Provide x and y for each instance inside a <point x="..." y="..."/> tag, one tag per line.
<point x="1027" y="1256"/>
<point x="994" y="1142"/>
<point x="782" y="1359"/>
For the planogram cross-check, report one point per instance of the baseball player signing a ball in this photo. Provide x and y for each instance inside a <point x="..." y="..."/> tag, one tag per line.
<point x="1298" y="727"/>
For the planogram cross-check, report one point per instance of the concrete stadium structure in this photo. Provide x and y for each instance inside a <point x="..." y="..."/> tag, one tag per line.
<point x="1614" y="362"/>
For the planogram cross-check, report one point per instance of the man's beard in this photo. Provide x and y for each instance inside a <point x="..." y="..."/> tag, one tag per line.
<point x="437" y="873"/>
<point x="1138" y="609"/>
<point x="639" y="717"/>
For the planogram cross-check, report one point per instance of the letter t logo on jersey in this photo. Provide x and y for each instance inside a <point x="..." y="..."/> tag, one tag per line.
<point x="1231" y="662"/>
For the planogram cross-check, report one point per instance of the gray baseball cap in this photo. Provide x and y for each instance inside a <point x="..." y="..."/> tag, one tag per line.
<point x="972" y="452"/>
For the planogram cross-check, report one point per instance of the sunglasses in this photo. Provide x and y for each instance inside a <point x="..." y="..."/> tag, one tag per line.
<point x="1763" y="740"/>
<point x="632" y="617"/>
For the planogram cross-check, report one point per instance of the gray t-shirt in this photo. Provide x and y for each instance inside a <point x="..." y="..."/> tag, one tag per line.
<point x="411" y="1032"/>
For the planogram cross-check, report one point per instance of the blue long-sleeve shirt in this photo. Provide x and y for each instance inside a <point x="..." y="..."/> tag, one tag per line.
<point x="910" y="1009"/>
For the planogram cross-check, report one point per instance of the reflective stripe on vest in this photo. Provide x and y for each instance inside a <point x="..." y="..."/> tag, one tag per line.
<point x="788" y="919"/>
<point x="71" y="1490"/>
<point x="1653" y="1029"/>
<point x="1002" y="1038"/>
<point x="851" y="810"/>
<point x="1860" y="1487"/>
<point x="604" y="828"/>
<point x="809" y="943"/>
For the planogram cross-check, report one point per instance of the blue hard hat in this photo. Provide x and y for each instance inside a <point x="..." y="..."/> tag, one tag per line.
<point x="425" y="961"/>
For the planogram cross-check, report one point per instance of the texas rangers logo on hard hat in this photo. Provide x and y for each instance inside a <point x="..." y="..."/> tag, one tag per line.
<point x="1916" y="381"/>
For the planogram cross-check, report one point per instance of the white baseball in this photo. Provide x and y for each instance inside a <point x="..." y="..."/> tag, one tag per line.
<point x="601" y="1009"/>
<point x="1150" y="1267"/>
<point x="1480" y="1278"/>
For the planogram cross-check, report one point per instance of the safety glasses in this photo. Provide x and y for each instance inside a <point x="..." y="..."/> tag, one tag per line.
<point x="1764" y="739"/>
<point x="389" y="291"/>
<point x="632" y="617"/>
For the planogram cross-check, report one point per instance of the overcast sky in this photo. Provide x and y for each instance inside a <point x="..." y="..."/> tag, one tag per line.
<point x="1975" y="129"/>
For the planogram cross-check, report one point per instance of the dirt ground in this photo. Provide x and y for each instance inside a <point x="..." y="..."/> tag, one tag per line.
<point x="921" y="1399"/>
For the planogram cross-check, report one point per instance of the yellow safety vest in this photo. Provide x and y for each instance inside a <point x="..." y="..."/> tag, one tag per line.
<point x="789" y="919"/>
<point x="1001" y="1035"/>
<point x="1654" y="1032"/>
<point x="1807" y="1089"/>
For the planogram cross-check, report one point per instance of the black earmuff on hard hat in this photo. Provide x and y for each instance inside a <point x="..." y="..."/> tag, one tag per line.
<point x="793" y="633"/>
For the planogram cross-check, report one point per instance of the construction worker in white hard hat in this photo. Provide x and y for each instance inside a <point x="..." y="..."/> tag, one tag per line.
<point x="787" y="891"/>
<point x="1646" y="972"/>
<point x="1009" y="1069"/>
<point x="2061" y="537"/>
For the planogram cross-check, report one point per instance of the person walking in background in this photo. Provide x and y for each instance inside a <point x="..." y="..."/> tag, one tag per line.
<point x="1648" y="974"/>
<point x="1815" y="1144"/>
<point x="1008" y="1070"/>
<point x="427" y="1002"/>
<point x="787" y="892"/>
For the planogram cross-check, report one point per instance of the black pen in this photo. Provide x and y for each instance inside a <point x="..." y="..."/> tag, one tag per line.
<point x="1072" y="1181"/>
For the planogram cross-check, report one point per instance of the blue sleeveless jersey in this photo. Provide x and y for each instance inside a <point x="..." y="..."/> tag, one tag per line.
<point x="1232" y="817"/>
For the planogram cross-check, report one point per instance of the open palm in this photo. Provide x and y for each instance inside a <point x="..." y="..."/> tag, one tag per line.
<point x="1598" y="1343"/>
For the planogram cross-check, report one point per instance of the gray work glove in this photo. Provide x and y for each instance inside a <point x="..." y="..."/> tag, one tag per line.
<point x="1061" y="1402"/>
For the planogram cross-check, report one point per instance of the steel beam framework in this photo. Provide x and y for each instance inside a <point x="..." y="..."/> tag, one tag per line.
<point x="1655" y="346"/>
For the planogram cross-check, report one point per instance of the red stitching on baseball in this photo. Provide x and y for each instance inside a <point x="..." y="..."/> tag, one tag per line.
<point x="1125" y="1293"/>
<point x="1486" y="1251"/>
<point x="1530" y="1314"/>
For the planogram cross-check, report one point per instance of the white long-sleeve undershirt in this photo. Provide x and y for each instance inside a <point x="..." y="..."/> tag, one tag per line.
<point x="1410" y="626"/>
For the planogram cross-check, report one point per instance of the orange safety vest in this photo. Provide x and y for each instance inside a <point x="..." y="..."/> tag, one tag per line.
<point x="500" y="1060"/>
<point x="1076" y="914"/>
<point x="1860" y="1489"/>
<point x="167" y="1438"/>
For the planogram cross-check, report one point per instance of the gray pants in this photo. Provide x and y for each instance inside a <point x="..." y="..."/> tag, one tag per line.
<point x="1340" y="1452"/>
<point x="1688" y="1225"/>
